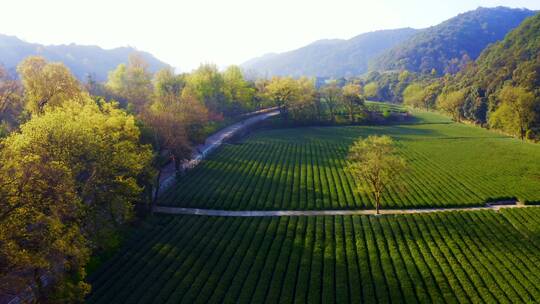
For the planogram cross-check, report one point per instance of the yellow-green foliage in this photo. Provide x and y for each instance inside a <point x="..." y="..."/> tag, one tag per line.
<point x="451" y="103"/>
<point x="374" y="160"/>
<point x="516" y="111"/>
<point x="46" y="84"/>
<point x="67" y="179"/>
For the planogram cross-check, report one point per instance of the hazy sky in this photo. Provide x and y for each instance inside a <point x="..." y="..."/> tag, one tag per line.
<point x="186" y="33"/>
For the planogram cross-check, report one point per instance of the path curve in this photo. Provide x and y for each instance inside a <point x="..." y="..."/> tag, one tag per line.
<point x="168" y="173"/>
<point x="267" y="213"/>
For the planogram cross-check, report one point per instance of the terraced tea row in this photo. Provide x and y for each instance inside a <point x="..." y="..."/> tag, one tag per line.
<point x="333" y="259"/>
<point x="451" y="165"/>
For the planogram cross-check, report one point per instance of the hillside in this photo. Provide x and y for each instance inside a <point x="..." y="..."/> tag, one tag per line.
<point x="81" y="59"/>
<point x="515" y="59"/>
<point x="448" y="46"/>
<point x="329" y="58"/>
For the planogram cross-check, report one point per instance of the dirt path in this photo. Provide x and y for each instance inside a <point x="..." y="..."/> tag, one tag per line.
<point x="211" y="143"/>
<point x="210" y="212"/>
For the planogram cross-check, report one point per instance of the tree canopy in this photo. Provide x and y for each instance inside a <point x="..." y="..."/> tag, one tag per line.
<point x="47" y="84"/>
<point x="375" y="165"/>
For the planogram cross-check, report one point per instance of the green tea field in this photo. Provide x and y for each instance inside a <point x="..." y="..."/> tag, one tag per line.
<point x="428" y="258"/>
<point x="450" y="164"/>
<point x="437" y="257"/>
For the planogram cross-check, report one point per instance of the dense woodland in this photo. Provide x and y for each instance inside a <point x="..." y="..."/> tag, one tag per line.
<point x="499" y="90"/>
<point x="447" y="47"/>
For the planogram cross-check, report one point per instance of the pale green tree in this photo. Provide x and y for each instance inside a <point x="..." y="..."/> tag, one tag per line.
<point x="371" y="90"/>
<point x="305" y="106"/>
<point x="206" y="85"/>
<point x="375" y="166"/>
<point x="47" y="84"/>
<point x="516" y="112"/>
<point x="238" y="92"/>
<point x="168" y="84"/>
<point x="99" y="144"/>
<point x="283" y="91"/>
<point x="414" y="96"/>
<point x="452" y="103"/>
<point x="11" y="102"/>
<point x="353" y="100"/>
<point x="332" y="95"/>
<point x="40" y="228"/>
<point x="132" y="83"/>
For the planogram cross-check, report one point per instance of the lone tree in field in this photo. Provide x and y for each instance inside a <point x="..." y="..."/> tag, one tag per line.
<point x="374" y="165"/>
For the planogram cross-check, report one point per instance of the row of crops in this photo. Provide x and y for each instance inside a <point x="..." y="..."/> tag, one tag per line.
<point x="446" y="257"/>
<point x="305" y="168"/>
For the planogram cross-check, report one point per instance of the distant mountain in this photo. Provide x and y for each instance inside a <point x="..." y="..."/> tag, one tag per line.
<point x="448" y="46"/>
<point x="81" y="59"/>
<point x="329" y="58"/>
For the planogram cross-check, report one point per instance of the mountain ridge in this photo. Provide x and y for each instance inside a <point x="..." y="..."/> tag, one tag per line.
<point x="329" y="57"/>
<point x="80" y="59"/>
<point x="451" y="44"/>
<point x="443" y="48"/>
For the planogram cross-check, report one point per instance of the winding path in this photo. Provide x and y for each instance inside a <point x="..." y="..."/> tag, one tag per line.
<point x="168" y="173"/>
<point x="265" y="213"/>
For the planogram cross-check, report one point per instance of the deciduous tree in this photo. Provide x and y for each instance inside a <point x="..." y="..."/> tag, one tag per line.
<point x="452" y="103"/>
<point x="11" y="102"/>
<point x="332" y="96"/>
<point x="47" y="84"/>
<point x="206" y="84"/>
<point x="414" y="96"/>
<point x="516" y="111"/>
<point x="305" y="106"/>
<point x="99" y="144"/>
<point x="40" y="222"/>
<point x="371" y="90"/>
<point x="352" y="99"/>
<point x="375" y="165"/>
<point x="237" y="90"/>
<point x="282" y="91"/>
<point x="132" y="83"/>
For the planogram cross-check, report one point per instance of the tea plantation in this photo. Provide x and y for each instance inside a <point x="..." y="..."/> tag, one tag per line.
<point x="438" y="257"/>
<point x="450" y="165"/>
<point x="446" y="257"/>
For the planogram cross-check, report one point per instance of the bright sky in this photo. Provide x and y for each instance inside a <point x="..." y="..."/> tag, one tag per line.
<point x="186" y="33"/>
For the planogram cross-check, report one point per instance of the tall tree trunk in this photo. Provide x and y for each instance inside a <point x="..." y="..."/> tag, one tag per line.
<point x="377" y="202"/>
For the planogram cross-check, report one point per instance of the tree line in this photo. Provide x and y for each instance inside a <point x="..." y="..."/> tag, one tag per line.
<point x="499" y="90"/>
<point x="79" y="160"/>
<point x="511" y="106"/>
